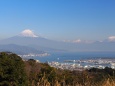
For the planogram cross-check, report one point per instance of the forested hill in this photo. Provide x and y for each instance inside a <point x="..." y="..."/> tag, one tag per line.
<point x="20" y="50"/>
<point x="17" y="72"/>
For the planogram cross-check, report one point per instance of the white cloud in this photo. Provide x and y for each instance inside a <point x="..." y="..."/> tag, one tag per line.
<point x="28" y="33"/>
<point x="77" y="41"/>
<point x="111" y="38"/>
<point x="73" y="41"/>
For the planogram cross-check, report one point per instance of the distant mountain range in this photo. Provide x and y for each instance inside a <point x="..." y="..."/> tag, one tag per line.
<point x="21" y="50"/>
<point x="32" y="43"/>
<point x="35" y="42"/>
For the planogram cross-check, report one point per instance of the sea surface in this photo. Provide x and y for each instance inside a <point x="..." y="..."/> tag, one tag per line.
<point x="62" y="56"/>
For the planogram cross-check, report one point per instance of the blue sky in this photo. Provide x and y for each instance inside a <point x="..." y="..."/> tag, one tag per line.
<point x="59" y="19"/>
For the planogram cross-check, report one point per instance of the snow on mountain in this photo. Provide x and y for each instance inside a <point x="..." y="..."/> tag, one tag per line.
<point x="27" y="33"/>
<point x="28" y="38"/>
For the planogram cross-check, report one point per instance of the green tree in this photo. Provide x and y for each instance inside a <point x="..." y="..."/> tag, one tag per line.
<point x="12" y="70"/>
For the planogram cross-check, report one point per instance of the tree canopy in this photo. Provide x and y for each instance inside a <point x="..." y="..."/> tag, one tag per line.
<point x="12" y="70"/>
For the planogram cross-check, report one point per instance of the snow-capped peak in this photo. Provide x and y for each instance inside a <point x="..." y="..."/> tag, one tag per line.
<point x="28" y="33"/>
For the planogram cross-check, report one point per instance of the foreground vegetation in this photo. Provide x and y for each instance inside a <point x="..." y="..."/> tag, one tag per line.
<point x="16" y="72"/>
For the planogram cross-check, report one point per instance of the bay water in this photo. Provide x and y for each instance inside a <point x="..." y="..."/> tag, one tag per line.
<point x="62" y="56"/>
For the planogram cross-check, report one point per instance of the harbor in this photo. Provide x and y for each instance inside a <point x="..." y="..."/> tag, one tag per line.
<point x="83" y="64"/>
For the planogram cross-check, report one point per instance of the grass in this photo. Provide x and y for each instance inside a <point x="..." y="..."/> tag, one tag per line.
<point x="109" y="82"/>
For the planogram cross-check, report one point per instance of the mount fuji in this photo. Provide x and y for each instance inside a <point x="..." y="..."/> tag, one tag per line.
<point x="29" y="39"/>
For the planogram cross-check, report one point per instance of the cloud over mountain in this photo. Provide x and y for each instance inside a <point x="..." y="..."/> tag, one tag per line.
<point x="111" y="38"/>
<point x="73" y="41"/>
<point x="77" y="41"/>
<point x="28" y="38"/>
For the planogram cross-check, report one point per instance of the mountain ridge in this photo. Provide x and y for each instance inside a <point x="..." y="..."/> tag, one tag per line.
<point x="28" y="38"/>
<point x="22" y="50"/>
